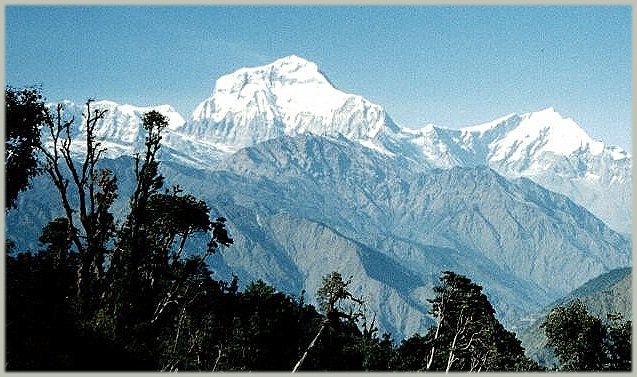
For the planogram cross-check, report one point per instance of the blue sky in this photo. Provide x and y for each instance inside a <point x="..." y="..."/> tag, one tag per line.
<point x="452" y="66"/>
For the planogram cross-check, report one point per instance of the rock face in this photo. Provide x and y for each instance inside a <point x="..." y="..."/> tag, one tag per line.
<point x="314" y="180"/>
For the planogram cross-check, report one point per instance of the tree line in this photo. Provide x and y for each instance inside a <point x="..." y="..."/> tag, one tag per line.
<point x="133" y="294"/>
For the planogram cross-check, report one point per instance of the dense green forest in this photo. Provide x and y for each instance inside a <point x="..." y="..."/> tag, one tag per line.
<point x="102" y="294"/>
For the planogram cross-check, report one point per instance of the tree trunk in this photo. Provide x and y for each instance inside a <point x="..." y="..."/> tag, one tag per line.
<point x="300" y="362"/>
<point x="433" y="347"/>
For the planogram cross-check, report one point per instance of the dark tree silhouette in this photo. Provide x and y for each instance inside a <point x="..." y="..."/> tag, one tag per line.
<point x="583" y="342"/>
<point x="90" y="225"/>
<point x="25" y="113"/>
<point x="467" y="336"/>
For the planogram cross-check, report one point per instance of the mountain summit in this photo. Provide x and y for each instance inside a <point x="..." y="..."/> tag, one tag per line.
<point x="524" y="137"/>
<point x="287" y="97"/>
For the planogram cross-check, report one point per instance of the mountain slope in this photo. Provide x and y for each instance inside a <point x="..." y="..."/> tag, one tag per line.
<point x="475" y="209"/>
<point x="525" y="244"/>
<point x="302" y="207"/>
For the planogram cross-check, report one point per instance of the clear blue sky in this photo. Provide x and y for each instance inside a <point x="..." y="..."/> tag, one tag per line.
<point x="452" y="66"/>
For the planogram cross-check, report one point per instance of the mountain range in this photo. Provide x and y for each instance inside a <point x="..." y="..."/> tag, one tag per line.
<point x="314" y="180"/>
<point x="291" y="96"/>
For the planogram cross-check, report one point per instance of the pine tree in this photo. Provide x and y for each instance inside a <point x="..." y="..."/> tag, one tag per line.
<point x="332" y="295"/>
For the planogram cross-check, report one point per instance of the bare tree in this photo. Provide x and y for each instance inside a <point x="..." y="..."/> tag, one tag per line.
<point x="90" y="225"/>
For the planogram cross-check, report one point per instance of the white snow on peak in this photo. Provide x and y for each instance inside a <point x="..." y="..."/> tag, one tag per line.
<point x="124" y="122"/>
<point x="290" y="96"/>
<point x="119" y="112"/>
<point x="120" y="130"/>
<point x="480" y="129"/>
<point x="525" y="137"/>
<point x="290" y="83"/>
<point x="546" y="131"/>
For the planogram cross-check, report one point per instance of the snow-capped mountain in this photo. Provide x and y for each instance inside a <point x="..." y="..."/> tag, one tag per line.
<point x="556" y="153"/>
<point x="288" y="97"/>
<point x="545" y="147"/>
<point x="291" y="96"/>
